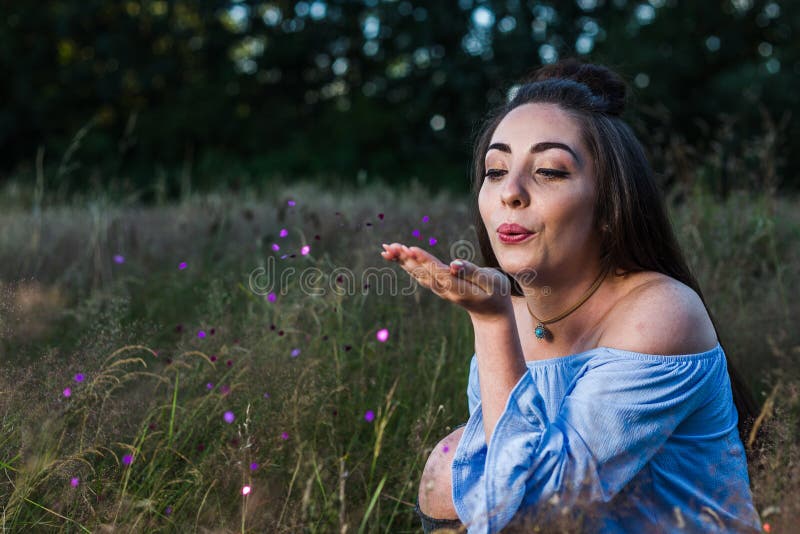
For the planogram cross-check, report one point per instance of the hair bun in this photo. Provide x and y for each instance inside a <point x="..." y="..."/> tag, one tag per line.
<point x="601" y="81"/>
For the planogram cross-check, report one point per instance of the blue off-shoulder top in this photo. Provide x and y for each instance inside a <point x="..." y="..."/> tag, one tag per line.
<point x="649" y="442"/>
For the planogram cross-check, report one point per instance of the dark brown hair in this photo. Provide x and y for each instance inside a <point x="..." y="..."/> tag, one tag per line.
<point x="630" y="211"/>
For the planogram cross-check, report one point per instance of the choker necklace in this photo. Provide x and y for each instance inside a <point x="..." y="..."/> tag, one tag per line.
<point x="541" y="331"/>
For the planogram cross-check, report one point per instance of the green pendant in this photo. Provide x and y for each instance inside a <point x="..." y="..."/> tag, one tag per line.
<point x="540" y="331"/>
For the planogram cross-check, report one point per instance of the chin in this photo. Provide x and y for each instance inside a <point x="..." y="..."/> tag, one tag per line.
<point x="522" y="273"/>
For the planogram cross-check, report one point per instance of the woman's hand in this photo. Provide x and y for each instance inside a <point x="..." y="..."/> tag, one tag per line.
<point x="482" y="291"/>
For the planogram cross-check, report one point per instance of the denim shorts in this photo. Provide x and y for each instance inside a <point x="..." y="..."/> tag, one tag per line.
<point x="431" y="524"/>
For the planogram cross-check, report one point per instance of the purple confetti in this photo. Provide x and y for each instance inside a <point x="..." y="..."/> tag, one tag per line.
<point x="74" y="482"/>
<point x="253" y="466"/>
<point x="127" y="459"/>
<point x="284" y="232"/>
<point x="415" y="233"/>
<point x="305" y="250"/>
<point x="67" y="392"/>
<point x="425" y="218"/>
<point x="79" y="377"/>
<point x="229" y="417"/>
<point x="382" y="335"/>
<point x="431" y="241"/>
<point x="275" y="247"/>
<point x="182" y="265"/>
<point x="201" y="334"/>
<point x="295" y="353"/>
<point x="119" y="258"/>
<point x="291" y="202"/>
<point x="369" y="416"/>
<point x="284" y="436"/>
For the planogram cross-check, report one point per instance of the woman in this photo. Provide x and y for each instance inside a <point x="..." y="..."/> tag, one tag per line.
<point x="597" y="379"/>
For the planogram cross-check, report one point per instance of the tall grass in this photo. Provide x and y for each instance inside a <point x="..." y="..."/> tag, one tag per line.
<point x="166" y="352"/>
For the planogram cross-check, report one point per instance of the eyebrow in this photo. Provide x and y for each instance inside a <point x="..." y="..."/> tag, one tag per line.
<point x="535" y="149"/>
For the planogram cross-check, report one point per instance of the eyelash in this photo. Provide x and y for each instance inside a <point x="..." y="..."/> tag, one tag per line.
<point x="551" y="174"/>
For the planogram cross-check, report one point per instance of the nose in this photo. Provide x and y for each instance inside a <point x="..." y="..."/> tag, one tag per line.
<point x="514" y="194"/>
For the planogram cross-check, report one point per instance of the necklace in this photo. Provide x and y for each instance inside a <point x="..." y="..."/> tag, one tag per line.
<point x="541" y="331"/>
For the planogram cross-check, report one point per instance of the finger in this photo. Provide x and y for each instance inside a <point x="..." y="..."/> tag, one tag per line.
<point x="487" y="279"/>
<point x="394" y="251"/>
<point x="438" y="276"/>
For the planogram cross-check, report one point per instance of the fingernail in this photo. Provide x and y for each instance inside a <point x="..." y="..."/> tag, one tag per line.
<point x="457" y="263"/>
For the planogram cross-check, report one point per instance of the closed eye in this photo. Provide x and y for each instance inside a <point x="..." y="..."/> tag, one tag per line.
<point x="552" y="174"/>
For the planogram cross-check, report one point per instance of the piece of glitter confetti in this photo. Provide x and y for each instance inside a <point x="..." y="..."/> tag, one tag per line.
<point x="168" y="510"/>
<point x="229" y="417"/>
<point x="119" y="258"/>
<point x="415" y="233"/>
<point x="445" y="448"/>
<point x="210" y="386"/>
<point x="284" y="436"/>
<point x="74" y="482"/>
<point x="127" y="459"/>
<point x="284" y="232"/>
<point x="67" y="392"/>
<point x="291" y="202"/>
<point x="245" y="490"/>
<point x="266" y="395"/>
<point x="182" y="265"/>
<point x="382" y="335"/>
<point x="305" y="250"/>
<point x="425" y="218"/>
<point x="295" y="353"/>
<point x="79" y="377"/>
<point x="201" y="334"/>
<point x="253" y="466"/>
<point x="276" y="247"/>
<point x="369" y="416"/>
<point x="431" y="241"/>
<point x="284" y="256"/>
<point x="272" y="297"/>
<point x="225" y="389"/>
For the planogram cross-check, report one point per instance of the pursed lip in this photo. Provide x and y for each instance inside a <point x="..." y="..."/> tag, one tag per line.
<point x="509" y="228"/>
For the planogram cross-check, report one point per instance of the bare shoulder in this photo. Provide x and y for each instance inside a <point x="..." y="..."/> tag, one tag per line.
<point x="660" y="315"/>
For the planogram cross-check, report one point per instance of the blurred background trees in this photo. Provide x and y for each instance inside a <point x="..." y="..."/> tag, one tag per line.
<point x="147" y="95"/>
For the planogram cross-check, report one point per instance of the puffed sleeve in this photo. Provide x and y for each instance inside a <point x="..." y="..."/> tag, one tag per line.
<point x="616" y="414"/>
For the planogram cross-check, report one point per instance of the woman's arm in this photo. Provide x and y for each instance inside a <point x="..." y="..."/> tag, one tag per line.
<point x="485" y="294"/>
<point x="501" y="364"/>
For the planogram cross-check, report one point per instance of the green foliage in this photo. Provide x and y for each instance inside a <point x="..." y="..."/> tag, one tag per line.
<point x="160" y="92"/>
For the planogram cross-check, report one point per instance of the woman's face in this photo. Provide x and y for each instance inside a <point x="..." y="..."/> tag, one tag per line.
<point x="539" y="175"/>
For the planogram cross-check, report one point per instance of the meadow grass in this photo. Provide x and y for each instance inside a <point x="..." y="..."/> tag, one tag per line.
<point x="186" y="386"/>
